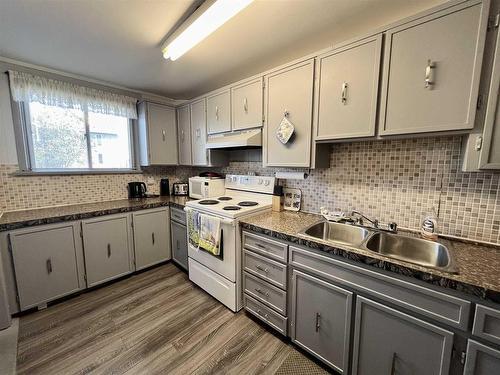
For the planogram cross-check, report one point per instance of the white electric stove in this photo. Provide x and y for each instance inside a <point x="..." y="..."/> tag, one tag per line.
<point x="221" y="276"/>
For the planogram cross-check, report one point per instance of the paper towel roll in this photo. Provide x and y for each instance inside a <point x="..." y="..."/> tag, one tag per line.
<point x="291" y="175"/>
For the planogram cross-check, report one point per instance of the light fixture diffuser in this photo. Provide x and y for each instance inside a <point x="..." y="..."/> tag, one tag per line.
<point x="209" y="21"/>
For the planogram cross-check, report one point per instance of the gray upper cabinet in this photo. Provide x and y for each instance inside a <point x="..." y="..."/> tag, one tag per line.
<point x="289" y="92"/>
<point x="219" y="112"/>
<point x="246" y="104"/>
<point x="431" y="71"/>
<point x="151" y="237"/>
<point x="346" y="90"/>
<point x="107" y="248"/>
<point x="481" y="359"/>
<point x="184" y="133"/>
<point x="157" y="134"/>
<point x="199" y="132"/>
<point x="321" y="319"/>
<point x="48" y="263"/>
<point x="387" y="341"/>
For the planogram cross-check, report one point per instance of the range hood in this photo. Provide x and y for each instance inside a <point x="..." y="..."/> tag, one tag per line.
<point x="240" y="139"/>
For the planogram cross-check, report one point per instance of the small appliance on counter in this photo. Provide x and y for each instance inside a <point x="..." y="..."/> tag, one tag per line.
<point x="164" y="187"/>
<point x="206" y="187"/>
<point x="137" y="190"/>
<point x="180" y="188"/>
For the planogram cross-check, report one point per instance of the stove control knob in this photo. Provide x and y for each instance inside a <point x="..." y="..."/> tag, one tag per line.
<point x="267" y="183"/>
<point x="260" y="181"/>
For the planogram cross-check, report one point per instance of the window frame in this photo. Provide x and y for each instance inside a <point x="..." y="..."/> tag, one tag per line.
<point x="25" y="149"/>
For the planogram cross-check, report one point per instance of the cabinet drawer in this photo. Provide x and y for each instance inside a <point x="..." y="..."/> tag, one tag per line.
<point x="178" y="215"/>
<point x="267" y="269"/>
<point x="442" y="307"/>
<point x="481" y="359"/>
<point x="265" y="246"/>
<point x="487" y="324"/>
<point x="265" y="314"/>
<point x="265" y="293"/>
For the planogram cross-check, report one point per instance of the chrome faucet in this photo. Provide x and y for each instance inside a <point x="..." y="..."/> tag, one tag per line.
<point x="390" y="227"/>
<point x="363" y="216"/>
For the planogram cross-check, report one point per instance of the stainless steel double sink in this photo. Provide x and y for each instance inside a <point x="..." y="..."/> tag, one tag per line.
<point x="408" y="249"/>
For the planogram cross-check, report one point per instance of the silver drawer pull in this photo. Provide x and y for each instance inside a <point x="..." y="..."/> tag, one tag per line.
<point x="163" y="134"/>
<point x="153" y="237"/>
<point x="428" y="69"/>
<point x="48" y="264"/>
<point x="245" y="105"/>
<point x="343" y="97"/>
<point x="258" y="290"/>
<point x="393" y="364"/>
<point x="109" y="250"/>
<point x="260" y="246"/>
<point x="318" y="317"/>
<point x="259" y="311"/>
<point x="217" y="113"/>
<point x="260" y="268"/>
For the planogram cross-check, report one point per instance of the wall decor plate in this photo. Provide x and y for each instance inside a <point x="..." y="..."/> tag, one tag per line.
<point x="285" y="130"/>
<point x="292" y="199"/>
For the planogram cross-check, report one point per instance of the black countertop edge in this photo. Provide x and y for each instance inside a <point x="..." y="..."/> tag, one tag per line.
<point x="85" y="215"/>
<point x="440" y="281"/>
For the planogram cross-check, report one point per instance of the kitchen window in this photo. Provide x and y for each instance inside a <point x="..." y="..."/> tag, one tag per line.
<point x="65" y="128"/>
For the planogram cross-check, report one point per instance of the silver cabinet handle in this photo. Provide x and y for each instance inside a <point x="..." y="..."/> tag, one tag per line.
<point x="259" y="267"/>
<point x="428" y="70"/>
<point x="260" y="246"/>
<point x="217" y="112"/>
<point x="178" y="245"/>
<point x="163" y="133"/>
<point x="153" y="237"/>
<point x="318" y="317"/>
<point x="198" y="133"/>
<point x="182" y="136"/>
<point x="343" y="96"/>
<point x="48" y="264"/>
<point x="109" y="250"/>
<point x="258" y="290"/>
<point x="393" y="363"/>
<point x="245" y="105"/>
<point x="263" y="314"/>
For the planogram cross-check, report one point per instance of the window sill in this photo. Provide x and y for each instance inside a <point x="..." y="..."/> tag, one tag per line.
<point x="76" y="172"/>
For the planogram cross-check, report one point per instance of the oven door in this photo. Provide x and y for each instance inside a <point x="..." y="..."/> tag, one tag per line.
<point x="226" y="264"/>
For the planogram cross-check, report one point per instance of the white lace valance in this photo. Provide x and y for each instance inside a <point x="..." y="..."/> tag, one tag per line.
<point x="27" y="87"/>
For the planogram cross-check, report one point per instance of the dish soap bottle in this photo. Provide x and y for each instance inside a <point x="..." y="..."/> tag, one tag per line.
<point x="428" y="229"/>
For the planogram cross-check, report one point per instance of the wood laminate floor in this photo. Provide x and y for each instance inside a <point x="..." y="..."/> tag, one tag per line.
<point x="156" y="322"/>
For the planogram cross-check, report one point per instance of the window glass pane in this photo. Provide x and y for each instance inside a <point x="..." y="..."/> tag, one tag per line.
<point x="58" y="136"/>
<point x="109" y="141"/>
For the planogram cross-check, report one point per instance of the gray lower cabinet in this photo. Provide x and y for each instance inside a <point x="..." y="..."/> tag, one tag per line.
<point x="151" y="237"/>
<point x="179" y="244"/>
<point x="107" y="248"/>
<point x="321" y="319"/>
<point x="47" y="263"/>
<point x="387" y="341"/>
<point x="481" y="359"/>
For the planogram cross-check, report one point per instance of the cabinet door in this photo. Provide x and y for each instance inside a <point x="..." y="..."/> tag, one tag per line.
<point x="219" y="113"/>
<point x="179" y="245"/>
<point x="199" y="132"/>
<point x="289" y="92"/>
<point x="246" y="105"/>
<point x="346" y="104"/>
<point x="45" y="263"/>
<point x="490" y="152"/>
<point x="321" y="319"/>
<point x="387" y="341"/>
<point x="107" y="248"/>
<point x="162" y="132"/>
<point x="151" y="237"/>
<point x="184" y="132"/>
<point x="481" y="359"/>
<point x="431" y="72"/>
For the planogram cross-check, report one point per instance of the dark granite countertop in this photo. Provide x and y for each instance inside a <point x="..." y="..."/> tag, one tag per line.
<point x="26" y="218"/>
<point x="478" y="265"/>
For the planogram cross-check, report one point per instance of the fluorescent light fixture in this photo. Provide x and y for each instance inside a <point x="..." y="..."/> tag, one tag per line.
<point x="209" y="21"/>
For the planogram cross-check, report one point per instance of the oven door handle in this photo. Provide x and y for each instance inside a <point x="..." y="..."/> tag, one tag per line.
<point x="222" y="220"/>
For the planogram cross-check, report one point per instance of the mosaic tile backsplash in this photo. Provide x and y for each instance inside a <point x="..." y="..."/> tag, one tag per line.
<point x="393" y="180"/>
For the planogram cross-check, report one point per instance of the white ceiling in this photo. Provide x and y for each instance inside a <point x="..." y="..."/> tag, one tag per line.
<point x="118" y="41"/>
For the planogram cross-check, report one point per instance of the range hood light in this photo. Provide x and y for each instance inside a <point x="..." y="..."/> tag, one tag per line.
<point x="209" y="21"/>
